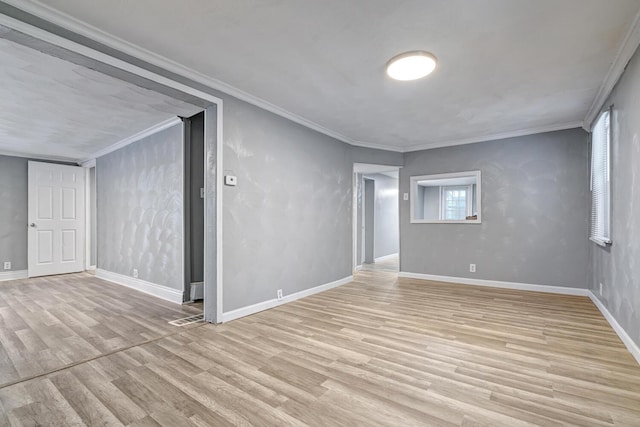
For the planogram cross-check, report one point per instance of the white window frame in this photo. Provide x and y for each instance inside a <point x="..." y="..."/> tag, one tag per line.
<point x="468" y="200"/>
<point x="600" y="183"/>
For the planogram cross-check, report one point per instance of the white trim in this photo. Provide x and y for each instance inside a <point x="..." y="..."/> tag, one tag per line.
<point x="13" y="275"/>
<point x="89" y="163"/>
<point x="265" y="305"/>
<point x="158" y="291"/>
<point x="358" y="267"/>
<point x="87" y="215"/>
<point x="166" y="124"/>
<point x="72" y="24"/>
<point x="497" y="284"/>
<point x="385" y="257"/>
<point x="626" y="339"/>
<point x="91" y="268"/>
<point x="219" y="211"/>
<point x="493" y="137"/>
<point x="623" y="56"/>
<point x="184" y="216"/>
<point x="37" y="157"/>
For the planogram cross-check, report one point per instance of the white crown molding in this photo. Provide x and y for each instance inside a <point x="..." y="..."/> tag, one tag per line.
<point x="633" y="348"/>
<point x="37" y="157"/>
<point x="493" y="137"/>
<point x="75" y="25"/>
<point x="564" y="290"/>
<point x="623" y="56"/>
<point x="376" y="146"/>
<point x="158" y="291"/>
<point x="265" y="305"/>
<point x="88" y="162"/>
<point x="13" y="275"/>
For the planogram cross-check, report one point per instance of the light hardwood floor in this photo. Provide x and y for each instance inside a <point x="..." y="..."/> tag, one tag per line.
<point x="378" y="351"/>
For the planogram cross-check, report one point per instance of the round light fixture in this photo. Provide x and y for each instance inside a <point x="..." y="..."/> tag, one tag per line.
<point x="411" y="65"/>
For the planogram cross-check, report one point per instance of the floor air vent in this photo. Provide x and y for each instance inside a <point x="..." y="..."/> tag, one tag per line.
<point x="188" y="320"/>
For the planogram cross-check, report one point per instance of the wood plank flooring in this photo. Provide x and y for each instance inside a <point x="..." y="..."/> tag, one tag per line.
<point x="48" y="323"/>
<point x="376" y="352"/>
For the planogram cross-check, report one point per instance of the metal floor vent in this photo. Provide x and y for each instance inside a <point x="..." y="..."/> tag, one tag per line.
<point x="188" y="320"/>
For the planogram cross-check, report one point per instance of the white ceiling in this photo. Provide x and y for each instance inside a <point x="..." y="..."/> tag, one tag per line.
<point x="55" y="109"/>
<point x="506" y="66"/>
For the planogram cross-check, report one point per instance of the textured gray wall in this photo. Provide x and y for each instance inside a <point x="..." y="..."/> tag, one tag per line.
<point x="140" y="221"/>
<point x="196" y="208"/>
<point x="386" y="227"/>
<point x="287" y="224"/>
<point x="535" y="210"/>
<point x="618" y="266"/>
<point x="13" y="214"/>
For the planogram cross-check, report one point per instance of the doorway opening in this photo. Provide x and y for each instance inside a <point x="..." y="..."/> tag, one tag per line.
<point x="376" y="225"/>
<point x="194" y="209"/>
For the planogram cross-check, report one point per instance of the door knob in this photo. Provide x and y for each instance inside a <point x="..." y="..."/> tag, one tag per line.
<point x="33" y="224"/>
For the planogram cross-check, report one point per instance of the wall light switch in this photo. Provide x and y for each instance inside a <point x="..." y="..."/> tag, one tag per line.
<point x="7" y="265"/>
<point x="405" y="196"/>
<point x="230" y="180"/>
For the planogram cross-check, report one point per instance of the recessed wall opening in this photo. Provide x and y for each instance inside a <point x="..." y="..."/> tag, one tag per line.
<point x="376" y="220"/>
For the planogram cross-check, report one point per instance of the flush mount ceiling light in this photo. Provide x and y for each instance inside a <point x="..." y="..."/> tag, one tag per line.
<point x="411" y="65"/>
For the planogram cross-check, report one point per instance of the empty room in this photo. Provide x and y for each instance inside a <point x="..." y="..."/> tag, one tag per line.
<point x="372" y="213"/>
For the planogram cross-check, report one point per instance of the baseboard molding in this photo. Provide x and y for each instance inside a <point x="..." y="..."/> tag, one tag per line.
<point x="158" y="291"/>
<point x="265" y="305"/>
<point x="13" y="275"/>
<point x="358" y="267"/>
<point x="386" y="257"/>
<point x="498" y="284"/>
<point x="624" y="336"/>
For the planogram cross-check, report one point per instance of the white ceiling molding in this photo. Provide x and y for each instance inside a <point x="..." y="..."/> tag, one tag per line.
<point x="623" y="56"/>
<point x="37" y="157"/>
<point x="487" y="138"/>
<point x="130" y="140"/>
<point x="72" y="24"/>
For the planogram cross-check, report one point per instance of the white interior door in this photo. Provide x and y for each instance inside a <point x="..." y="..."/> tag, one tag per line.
<point x="56" y="219"/>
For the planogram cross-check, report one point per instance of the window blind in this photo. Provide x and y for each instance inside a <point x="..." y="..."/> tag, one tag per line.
<point x="600" y="180"/>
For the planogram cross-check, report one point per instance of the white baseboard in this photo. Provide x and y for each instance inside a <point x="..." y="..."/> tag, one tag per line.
<point x="158" y="291"/>
<point x="13" y="275"/>
<point x="498" y="284"/>
<point x="91" y="268"/>
<point x="265" y="305"/>
<point x="386" y="257"/>
<point x="626" y="339"/>
<point x="358" y="267"/>
<point x="197" y="291"/>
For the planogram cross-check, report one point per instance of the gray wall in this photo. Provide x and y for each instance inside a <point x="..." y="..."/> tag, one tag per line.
<point x="195" y="181"/>
<point x="618" y="267"/>
<point x="13" y="214"/>
<point x="140" y="222"/>
<point x="535" y="210"/>
<point x="287" y="224"/>
<point x="386" y="227"/>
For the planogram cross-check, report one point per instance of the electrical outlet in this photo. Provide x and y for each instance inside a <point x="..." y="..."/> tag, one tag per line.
<point x="279" y="293"/>
<point x="472" y="268"/>
<point x="7" y="265"/>
<point x="600" y="289"/>
<point x="135" y="273"/>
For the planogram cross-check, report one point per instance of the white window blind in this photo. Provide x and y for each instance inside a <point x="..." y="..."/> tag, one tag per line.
<point x="600" y="180"/>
